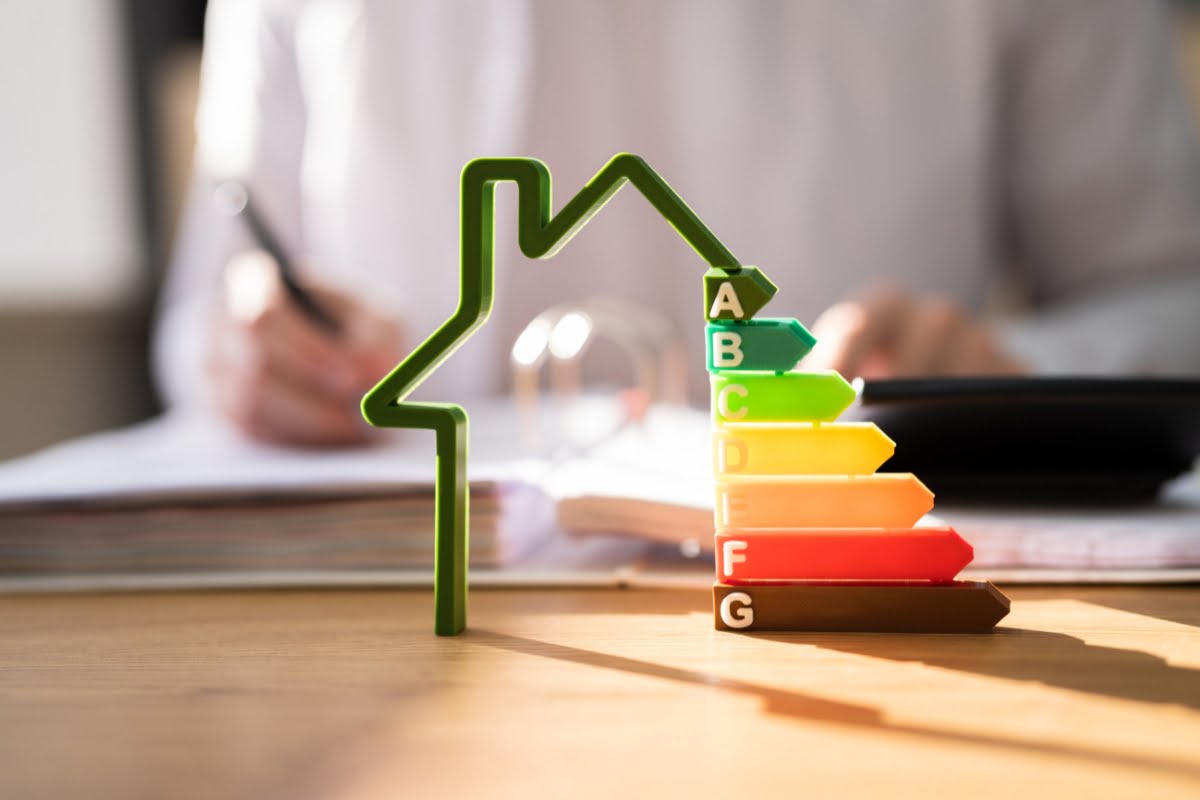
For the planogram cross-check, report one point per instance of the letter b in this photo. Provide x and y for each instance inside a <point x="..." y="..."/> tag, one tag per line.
<point x="726" y="350"/>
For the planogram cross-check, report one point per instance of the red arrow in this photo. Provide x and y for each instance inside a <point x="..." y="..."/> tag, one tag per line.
<point x="858" y="554"/>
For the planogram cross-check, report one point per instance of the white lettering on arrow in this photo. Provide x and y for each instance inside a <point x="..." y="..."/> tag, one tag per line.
<point x="732" y="553"/>
<point x="723" y="401"/>
<point x="742" y="617"/>
<point x="727" y="349"/>
<point x="726" y="300"/>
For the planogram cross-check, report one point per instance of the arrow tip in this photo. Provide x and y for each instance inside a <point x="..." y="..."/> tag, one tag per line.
<point x="802" y="335"/>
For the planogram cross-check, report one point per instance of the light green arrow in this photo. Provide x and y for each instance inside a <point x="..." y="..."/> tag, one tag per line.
<point x="780" y="397"/>
<point x="765" y="345"/>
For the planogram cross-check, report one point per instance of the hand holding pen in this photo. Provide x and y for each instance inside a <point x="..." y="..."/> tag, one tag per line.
<point x="290" y="359"/>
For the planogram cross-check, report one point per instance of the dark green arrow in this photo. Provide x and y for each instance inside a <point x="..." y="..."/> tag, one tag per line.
<point x="772" y="345"/>
<point x="540" y="235"/>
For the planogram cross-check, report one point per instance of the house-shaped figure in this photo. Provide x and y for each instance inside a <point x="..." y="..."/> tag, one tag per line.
<point x="540" y="235"/>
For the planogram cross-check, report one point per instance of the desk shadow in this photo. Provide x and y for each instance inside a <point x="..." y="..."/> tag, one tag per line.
<point x="1184" y="612"/>
<point x="1017" y="654"/>
<point x="811" y="708"/>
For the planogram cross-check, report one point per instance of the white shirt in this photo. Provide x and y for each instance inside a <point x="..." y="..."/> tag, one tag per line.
<point x="939" y="144"/>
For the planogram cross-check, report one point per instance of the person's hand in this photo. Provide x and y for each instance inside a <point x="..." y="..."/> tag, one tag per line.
<point x="890" y="334"/>
<point x="281" y="377"/>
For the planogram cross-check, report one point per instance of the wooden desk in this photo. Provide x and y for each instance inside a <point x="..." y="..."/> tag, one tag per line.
<point x="347" y="694"/>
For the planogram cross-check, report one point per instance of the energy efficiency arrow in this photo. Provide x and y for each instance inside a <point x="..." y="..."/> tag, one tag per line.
<point x="540" y="235"/>
<point x="766" y="345"/>
<point x="957" y="607"/>
<point x="780" y="397"/>
<point x="799" y="448"/>
<point x="882" y="500"/>
<point x="858" y="554"/>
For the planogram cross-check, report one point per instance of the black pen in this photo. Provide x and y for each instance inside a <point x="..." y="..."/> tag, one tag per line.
<point x="234" y="198"/>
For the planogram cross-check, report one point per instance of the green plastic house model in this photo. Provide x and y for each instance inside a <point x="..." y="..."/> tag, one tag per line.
<point x="540" y="236"/>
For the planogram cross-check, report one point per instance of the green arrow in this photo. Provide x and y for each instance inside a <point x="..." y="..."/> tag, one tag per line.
<point x="540" y="236"/>
<point x="780" y="397"/>
<point x="735" y="294"/>
<point x="770" y="345"/>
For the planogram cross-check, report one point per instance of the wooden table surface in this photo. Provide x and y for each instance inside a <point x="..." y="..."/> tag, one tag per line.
<point x="1085" y="692"/>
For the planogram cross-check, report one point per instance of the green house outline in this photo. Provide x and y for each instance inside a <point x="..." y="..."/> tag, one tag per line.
<point x="540" y="235"/>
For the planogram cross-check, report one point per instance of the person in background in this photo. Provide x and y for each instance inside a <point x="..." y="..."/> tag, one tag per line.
<point x="889" y="165"/>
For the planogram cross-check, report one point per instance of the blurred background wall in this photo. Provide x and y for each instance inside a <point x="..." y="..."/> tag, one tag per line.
<point x="96" y="105"/>
<point x="91" y="152"/>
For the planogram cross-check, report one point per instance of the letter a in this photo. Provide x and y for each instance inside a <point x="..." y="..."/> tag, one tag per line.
<point x="726" y="300"/>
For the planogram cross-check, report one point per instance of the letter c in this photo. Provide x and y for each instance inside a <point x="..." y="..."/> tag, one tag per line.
<point x="723" y="401"/>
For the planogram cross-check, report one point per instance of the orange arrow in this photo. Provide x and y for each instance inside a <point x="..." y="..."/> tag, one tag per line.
<point x="799" y="448"/>
<point x="884" y="500"/>
<point x="858" y="554"/>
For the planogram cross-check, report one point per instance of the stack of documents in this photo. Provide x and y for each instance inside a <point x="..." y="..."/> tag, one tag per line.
<point x="184" y="495"/>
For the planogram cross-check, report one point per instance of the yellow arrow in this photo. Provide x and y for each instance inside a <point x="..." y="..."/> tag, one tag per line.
<point x="884" y="500"/>
<point x="799" y="448"/>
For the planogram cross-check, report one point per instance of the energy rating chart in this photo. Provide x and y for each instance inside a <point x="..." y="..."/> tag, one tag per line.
<point x="809" y="536"/>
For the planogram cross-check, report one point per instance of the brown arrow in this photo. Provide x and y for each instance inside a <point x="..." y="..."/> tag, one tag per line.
<point x="957" y="607"/>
